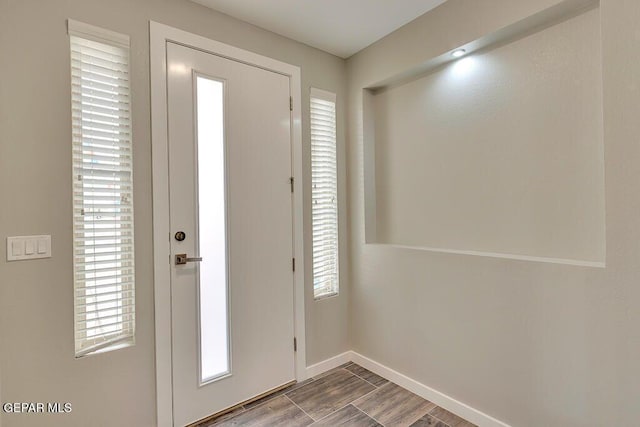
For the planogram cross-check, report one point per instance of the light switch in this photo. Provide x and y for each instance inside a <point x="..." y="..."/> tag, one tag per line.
<point x="28" y="247"/>
<point x="16" y="248"/>
<point x="42" y="246"/>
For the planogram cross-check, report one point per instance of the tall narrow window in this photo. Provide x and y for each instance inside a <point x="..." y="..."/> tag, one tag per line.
<point x="213" y="311"/>
<point x="324" y="193"/>
<point x="103" y="251"/>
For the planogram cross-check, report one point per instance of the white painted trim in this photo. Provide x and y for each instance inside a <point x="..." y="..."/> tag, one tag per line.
<point x="329" y="364"/>
<point x="447" y="402"/>
<point x="160" y="34"/>
<point x="91" y="32"/>
<point x="322" y="94"/>
<point x="161" y="245"/>
<point x="574" y="262"/>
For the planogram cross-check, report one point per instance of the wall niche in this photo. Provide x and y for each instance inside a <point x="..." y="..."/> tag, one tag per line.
<point x="499" y="153"/>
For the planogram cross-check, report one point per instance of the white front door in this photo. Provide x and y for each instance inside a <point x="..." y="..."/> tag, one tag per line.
<point x="229" y="127"/>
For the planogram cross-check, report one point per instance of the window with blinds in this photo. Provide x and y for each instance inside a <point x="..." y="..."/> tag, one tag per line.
<point x="103" y="250"/>
<point x="324" y="193"/>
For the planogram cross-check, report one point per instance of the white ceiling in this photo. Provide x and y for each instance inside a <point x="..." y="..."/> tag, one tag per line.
<point x="341" y="27"/>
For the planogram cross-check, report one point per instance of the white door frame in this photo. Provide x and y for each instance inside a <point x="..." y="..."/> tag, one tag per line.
<point x="160" y="34"/>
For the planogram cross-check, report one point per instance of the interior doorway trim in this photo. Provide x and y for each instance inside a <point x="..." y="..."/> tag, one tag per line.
<point x="160" y="35"/>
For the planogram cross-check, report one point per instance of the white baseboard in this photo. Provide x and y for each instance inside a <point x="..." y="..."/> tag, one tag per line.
<point x="447" y="402"/>
<point x="328" y="364"/>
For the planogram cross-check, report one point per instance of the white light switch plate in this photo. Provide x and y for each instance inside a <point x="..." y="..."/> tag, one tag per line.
<point x="28" y="247"/>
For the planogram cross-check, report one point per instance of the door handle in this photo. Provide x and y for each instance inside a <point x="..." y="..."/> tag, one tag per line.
<point x="182" y="259"/>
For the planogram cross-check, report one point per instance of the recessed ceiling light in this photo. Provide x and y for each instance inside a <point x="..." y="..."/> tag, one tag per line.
<point x="458" y="53"/>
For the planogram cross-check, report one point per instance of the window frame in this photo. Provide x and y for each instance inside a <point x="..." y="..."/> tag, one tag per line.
<point x="121" y="260"/>
<point x="333" y="289"/>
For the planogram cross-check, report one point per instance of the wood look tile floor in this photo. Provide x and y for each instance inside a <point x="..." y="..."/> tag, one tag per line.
<point x="349" y="395"/>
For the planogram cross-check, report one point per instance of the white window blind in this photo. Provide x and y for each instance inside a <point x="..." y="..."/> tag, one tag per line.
<point x="324" y="193"/>
<point x="103" y="250"/>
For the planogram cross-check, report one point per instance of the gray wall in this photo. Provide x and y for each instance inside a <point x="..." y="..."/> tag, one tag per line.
<point x="529" y="343"/>
<point x="36" y="313"/>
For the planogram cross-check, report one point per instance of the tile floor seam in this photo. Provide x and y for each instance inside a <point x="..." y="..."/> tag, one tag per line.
<point x="276" y="394"/>
<point x="438" y="420"/>
<point x="352" y="404"/>
<point x="342" y="367"/>
<point x="362" y="397"/>
<point x="333" y="371"/>
<point x="388" y="383"/>
<point x="370" y="416"/>
<point x="442" y="421"/>
<point x="364" y="379"/>
<point x="353" y="401"/>
<point x="337" y="410"/>
<point x="428" y="413"/>
<point x="372" y="391"/>
<point x="296" y="405"/>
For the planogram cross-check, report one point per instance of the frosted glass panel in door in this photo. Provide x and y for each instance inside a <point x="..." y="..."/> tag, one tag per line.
<point x="212" y="239"/>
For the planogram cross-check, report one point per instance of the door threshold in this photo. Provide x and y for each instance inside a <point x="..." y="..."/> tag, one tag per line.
<point x="241" y="404"/>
